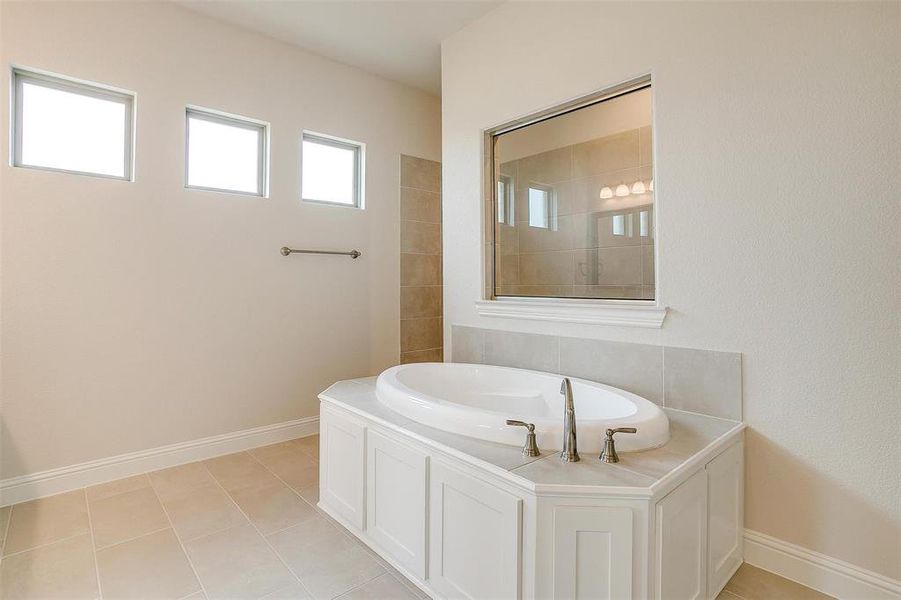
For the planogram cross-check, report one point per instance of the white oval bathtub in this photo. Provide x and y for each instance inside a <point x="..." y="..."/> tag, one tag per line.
<point x="476" y="400"/>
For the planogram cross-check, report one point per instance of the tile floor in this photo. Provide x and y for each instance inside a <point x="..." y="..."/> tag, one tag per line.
<point x="238" y="526"/>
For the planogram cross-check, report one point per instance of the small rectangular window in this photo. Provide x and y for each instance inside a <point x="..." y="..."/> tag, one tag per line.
<point x="542" y="207"/>
<point x="225" y="153"/>
<point x="505" y="200"/>
<point x="332" y="170"/>
<point x="61" y="124"/>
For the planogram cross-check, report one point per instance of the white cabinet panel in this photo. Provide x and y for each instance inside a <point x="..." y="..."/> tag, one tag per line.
<point x="474" y="537"/>
<point x="341" y="468"/>
<point x="681" y="541"/>
<point x="725" y="517"/>
<point x="396" y="500"/>
<point x="592" y="553"/>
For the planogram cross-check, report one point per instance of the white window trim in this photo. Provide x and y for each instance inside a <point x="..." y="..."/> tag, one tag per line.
<point x="359" y="150"/>
<point x="20" y="75"/>
<point x="629" y="313"/>
<point x="223" y="118"/>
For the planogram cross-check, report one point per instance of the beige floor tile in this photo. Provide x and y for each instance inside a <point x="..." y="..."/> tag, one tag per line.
<point x="202" y="510"/>
<point x="177" y="481"/>
<point x="382" y="587"/>
<point x="241" y="470"/>
<point x="61" y="570"/>
<point x="119" y="486"/>
<point x="126" y="516"/>
<point x="46" y="520"/>
<point x="4" y="521"/>
<point x="292" y="592"/>
<point x="296" y="469"/>
<point x="195" y="596"/>
<point x="152" y="566"/>
<point x="297" y="446"/>
<point x="237" y="563"/>
<point x="309" y="445"/>
<point x="727" y="595"/>
<point x="310" y="494"/>
<point x="751" y="583"/>
<point x="273" y="507"/>
<point x="326" y="561"/>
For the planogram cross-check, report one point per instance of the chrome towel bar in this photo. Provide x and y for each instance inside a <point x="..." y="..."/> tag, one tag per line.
<point x="288" y="251"/>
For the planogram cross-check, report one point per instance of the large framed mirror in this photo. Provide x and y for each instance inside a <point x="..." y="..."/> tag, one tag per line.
<point x="571" y="200"/>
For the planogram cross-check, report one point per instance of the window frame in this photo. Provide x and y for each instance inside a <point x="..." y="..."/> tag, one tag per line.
<point x="20" y="75"/>
<point x="359" y="149"/>
<point x="232" y="120"/>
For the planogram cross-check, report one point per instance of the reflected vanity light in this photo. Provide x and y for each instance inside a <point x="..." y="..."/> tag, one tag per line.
<point x="623" y="190"/>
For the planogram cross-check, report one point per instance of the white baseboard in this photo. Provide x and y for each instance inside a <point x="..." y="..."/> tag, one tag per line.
<point x="818" y="571"/>
<point x="73" y="477"/>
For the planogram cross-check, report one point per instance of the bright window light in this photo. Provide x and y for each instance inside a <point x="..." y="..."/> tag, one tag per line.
<point x="226" y="153"/>
<point x="539" y="207"/>
<point x="63" y="125"/>
<point x="332" y="171"/>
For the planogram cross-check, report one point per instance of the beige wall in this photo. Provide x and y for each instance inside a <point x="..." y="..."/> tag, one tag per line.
<point x="420" y="261"/>
<point x="777" y="153"/>
<point x="141" y="314"/>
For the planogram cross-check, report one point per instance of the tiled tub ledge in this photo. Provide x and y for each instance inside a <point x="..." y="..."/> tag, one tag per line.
<point x="427" y="500"/>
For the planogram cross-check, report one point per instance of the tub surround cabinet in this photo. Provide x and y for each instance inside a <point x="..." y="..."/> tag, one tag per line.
<point x="465" y="518"/>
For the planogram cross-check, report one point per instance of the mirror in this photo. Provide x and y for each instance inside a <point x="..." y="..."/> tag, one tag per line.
<point x="573" y="201"/>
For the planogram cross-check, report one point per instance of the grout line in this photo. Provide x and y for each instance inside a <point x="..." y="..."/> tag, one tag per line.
<point x="178" y="539"/>
<point x="410" y="187"/>
<point x="255" y="528"/>
<point x="9" y="521"/>
<point x="65" y="539"/>
<point x="131" y="539"/>
<point x="84" y="492"/>
<point x="356" y="587"/>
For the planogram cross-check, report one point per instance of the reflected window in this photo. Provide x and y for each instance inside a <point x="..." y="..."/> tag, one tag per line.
<point x="541" y="206"/>
<point x="505" y="199"/>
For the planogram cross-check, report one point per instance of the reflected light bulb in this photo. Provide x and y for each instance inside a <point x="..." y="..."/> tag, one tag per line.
<point x="638" y="187"/>
<point x="651" y="186"/>
<point x="606" y="192"/>
<point x="622" y="190"/>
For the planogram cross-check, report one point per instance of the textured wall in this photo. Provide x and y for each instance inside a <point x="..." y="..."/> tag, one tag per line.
<point x="777" y="151"/>
<point x="142" y="314"/>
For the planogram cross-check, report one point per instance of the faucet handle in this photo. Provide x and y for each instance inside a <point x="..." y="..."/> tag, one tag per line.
<point x="531" y="446"/>
<point x="608" y="454"/>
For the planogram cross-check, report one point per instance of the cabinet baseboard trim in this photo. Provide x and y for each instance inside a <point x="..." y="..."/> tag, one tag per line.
<point x="55" y="481"/>
<point x="818" y="571"/>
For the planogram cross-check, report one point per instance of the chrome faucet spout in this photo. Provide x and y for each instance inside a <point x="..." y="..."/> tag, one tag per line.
<point x="570" y="452"/>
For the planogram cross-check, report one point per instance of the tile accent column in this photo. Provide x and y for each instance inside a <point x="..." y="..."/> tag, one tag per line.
<point x="421" y="292"/>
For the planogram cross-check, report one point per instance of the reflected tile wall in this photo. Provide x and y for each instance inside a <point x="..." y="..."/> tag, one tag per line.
<point x="700" y="381"/>
<point x="582" y="251"/>
<point x="421" y="290"/>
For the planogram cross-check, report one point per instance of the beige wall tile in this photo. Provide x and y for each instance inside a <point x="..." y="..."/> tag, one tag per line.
<point x="637" y="368"/>
<point x="420" y="205"/>
<point x="521" y="350"/>
<point x="239" y="470"/>
<point x="420" y="173"/>
<point x="433" y="355"/>
<point x="119" y="486"/>
<point x="647" y="265"/>
<point x="272" y="507"/>
<point x="421" y="238"/>
<point x="417" y="302"/>
<point x="548" y="167"/>
<point x="64" y="569"/>
<point x="619" y="266"/>
<point x="326" y="561"/>
<point x="544" y="291"/>
<point x="703" y="381"/>
<point x="420" y="334"/>
<point x="420" y="269"/>
<point x="645" y="149"/>
<point x="126" y="516"/>
<point x="237" y="563"/>
<point x="546" y="268"/>
<point x="611" y="153"/>
<point x="508" y="270"/>
<point x="540" y="239"/>
<point x="202" y="511"/>
<point x="46" y="520"/>
<point x="152" y="566"/>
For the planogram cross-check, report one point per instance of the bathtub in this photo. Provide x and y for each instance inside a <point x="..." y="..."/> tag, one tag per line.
<point x="476" y="400"/>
